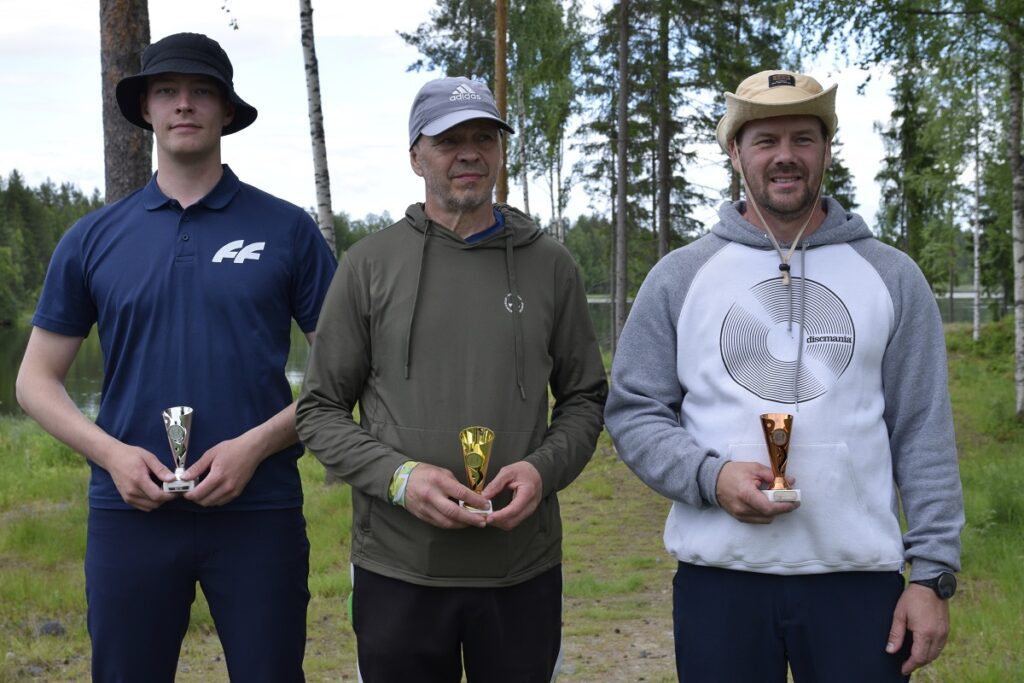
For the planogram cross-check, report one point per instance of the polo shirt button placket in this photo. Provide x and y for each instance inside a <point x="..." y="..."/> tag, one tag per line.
<point x="186" y="247"/>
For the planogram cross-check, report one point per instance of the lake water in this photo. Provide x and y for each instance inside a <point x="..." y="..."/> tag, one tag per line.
<point x="85" y="379"/>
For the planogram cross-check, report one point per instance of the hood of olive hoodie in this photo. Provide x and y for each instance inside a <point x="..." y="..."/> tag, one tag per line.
<point x="519" y="231"/>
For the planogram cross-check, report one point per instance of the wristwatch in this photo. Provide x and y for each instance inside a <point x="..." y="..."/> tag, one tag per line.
<point x="944" y="584"/>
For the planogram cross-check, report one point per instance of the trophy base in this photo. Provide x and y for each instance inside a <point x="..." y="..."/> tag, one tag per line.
<point x="783" y="495"/>
<point x="469" y="508"/>
<point x="178" y="486"/>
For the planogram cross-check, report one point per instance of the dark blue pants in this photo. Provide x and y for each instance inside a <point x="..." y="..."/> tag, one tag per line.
<point x="745" y="627"/>
<point x="141" y="571"/>
<point x="407" y="633"/>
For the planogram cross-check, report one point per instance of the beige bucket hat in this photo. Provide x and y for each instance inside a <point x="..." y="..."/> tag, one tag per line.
<point x="776" y="93"/>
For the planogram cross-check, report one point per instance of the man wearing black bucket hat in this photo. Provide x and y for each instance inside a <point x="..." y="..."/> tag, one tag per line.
<point x="462" y="314"/>
<point x="192" y="283"/>
<point x="789" y="325"/>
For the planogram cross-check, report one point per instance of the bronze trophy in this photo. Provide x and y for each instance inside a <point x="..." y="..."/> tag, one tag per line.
<point x="778" y="430"/>
<point x="476" y="445"/>
<point x="178" y="423"/>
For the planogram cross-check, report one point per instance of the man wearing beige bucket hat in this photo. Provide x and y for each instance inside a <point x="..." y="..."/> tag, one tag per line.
<point x="846" y="340"/>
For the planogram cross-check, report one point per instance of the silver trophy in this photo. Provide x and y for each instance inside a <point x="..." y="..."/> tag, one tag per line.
<point x="178" y="423"/>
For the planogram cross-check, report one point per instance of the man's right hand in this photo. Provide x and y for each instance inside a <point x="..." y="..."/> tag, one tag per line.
<point x="429" y="494"/>
<point x="739" y="493"/>
<point x="132" y="469"/>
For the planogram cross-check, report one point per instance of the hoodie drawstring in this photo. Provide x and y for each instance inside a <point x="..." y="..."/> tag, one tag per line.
<point x="800" y="335"/>
<point x="415" y="300"/>
<point x="515" y="306"/>
<point x="516" y="310"/>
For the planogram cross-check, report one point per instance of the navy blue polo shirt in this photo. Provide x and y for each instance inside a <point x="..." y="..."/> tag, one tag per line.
<point x="192" y="307"/>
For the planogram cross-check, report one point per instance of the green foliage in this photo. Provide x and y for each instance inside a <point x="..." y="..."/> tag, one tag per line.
<point x="32" y="221"/>
<point x="589" y="240"/>
<point x="953" y="61"/>
<point x="348" y="231"/>
<point x="838" y="181"/>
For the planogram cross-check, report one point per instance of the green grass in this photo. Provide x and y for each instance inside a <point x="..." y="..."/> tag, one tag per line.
<point x="617" y="574"/>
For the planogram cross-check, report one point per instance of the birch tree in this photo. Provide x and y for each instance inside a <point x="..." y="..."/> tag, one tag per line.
<point x="322" y="177"/>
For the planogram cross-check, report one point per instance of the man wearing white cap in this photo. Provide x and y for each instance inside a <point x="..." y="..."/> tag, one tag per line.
<point x="844" y="342"/>
<point x="462" y="314"/>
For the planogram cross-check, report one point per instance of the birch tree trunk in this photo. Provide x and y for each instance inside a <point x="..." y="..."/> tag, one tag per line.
<point x="1017" y="171"/>
<point x="976" y="326"/>
<point x="620" y="275"/>
<point x="561" y="198"/>
<point x="127" y="149"/>
<point x="325" y="215"/>
<point x="524" y="159"/>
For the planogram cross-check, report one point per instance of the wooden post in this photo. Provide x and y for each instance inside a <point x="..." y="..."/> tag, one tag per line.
<point x="501" y="86"/>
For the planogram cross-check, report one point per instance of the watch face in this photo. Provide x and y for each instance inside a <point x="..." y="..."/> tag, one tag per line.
<point x="945" y="585"/>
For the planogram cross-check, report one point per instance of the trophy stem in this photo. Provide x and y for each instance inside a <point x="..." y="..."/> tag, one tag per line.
<point x="778" y="428"/>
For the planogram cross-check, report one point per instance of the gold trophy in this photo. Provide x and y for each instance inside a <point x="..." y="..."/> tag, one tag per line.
<point x="778" y="430"/>
<point x="476" y="445"/>
<point x="178" y="423"/>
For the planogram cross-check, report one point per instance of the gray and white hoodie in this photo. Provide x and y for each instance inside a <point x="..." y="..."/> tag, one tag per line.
<point x="853" y="348"/>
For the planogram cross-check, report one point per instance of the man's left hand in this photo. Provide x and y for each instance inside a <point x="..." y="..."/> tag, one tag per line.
<point x="228" y="466"/>
<point x="926" y="616"/>
<point x="524" y="481"/>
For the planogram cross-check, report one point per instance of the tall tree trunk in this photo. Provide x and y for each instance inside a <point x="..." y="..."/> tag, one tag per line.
<point x="324" y="213"/>
<point x="621" y="278"/>
<point x="1017" y="171"/>
<point x="501" y="85"/>
<point x="976" y="317"/>
<point x="127" y="149"/>
<point x="664" y="130"/>
<point x="524" y="153"/>
<point x="561" y="197"/>
<point x="552" y="191"/>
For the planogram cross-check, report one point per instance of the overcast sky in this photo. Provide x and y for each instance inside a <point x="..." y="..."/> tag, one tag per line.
<point x="50" y="108"/>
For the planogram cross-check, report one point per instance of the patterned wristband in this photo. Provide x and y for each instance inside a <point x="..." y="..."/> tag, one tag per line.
<point x="399" y="480"/>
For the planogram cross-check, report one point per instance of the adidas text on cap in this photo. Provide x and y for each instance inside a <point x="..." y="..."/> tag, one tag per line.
<point x="446" y="102"/>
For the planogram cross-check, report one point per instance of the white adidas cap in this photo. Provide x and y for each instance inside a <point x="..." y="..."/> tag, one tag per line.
<point x="446" y="102"/>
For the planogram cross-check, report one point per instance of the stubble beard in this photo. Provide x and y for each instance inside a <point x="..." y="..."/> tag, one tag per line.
<point x="785" y="209"/>
<point x="463" y="202"/>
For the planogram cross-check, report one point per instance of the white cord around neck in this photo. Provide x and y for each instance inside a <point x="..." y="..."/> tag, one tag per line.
<point x="783" y="257"/>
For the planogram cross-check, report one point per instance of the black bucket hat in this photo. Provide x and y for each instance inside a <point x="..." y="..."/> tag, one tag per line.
<point x="184" y="53"/>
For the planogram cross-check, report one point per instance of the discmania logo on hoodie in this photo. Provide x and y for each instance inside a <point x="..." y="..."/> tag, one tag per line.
<point x="761" y="346"/>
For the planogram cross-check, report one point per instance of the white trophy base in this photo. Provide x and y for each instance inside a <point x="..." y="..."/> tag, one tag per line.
<point x="477" y="511"/>
<point x="179" y="485"/>
<point x="783" y="495"/>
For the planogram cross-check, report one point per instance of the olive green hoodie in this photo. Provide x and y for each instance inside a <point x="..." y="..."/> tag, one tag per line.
<point x="430" y="334"/>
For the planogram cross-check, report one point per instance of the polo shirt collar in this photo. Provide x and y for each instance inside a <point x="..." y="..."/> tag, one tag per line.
<point x="217" y="198"/>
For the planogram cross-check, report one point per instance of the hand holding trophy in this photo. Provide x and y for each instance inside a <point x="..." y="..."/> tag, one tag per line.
<point x="476" y="445"/>
<point x="178" y="423"/>
<point x="778" y="429"/>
